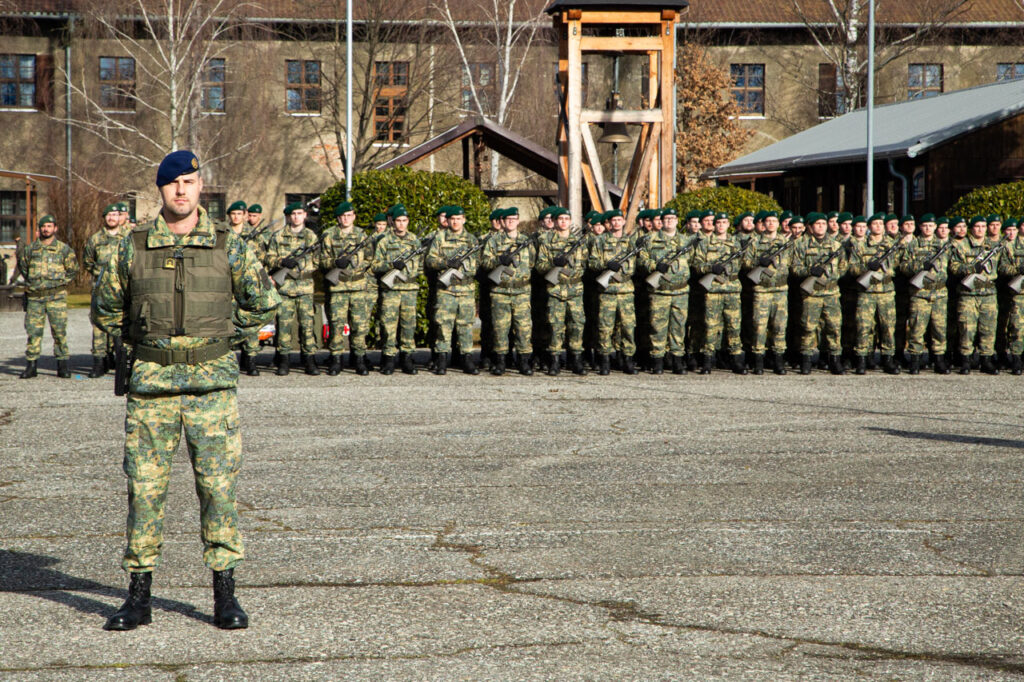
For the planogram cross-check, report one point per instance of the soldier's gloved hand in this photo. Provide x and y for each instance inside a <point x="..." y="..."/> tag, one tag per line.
<point x="718" y="269"/>
<point x="931" y="266"/>
<point x="662" y="267"/>
<point x="398" y="264"/>
<point x="874" y="264"/>
<point x="289" y="263"/>
<point x="817" y="271"/>
<point x="505" y="259"/>
<point x="614" y="266"/>
<point x="342" y="262"/>
<point x="980" y="268"/>
<point x="560" y="261"/>
<point x="764" y="261"/>
<point x="454" y="263"/>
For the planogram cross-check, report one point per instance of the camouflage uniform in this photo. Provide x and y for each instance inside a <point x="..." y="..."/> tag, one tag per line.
<point x="822" y="307"/>
<point x="977" y="312"/>
<point x="47" y="270"/>
<point x="398" y="305"/>
<point x="565" y="315"/>
<point x="484" y="285"/>
<point x="455" y="305"/>
<point x="929" y="304"/>
<point x="510" y="300"/>
<point x="670" y="302"/>
<point x="722" y="300"/>
<point x="297" y="290"/>
<point x="615" y="304"/>
<point x="179" y="392"/>
<point x="347" y="301"/>
<point x="99" y="248"/>
<point x="771" y="296"/>
<point x="876" y="305"/>
<point x="1012" y="265"/>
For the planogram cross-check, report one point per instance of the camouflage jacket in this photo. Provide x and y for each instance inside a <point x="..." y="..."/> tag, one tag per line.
<point x="662" y="246"/>
<point x="604" y="249"/>
<point x="966" y="253"/>
<point x="448" y="245"/>
<point x="47" y="268"/>
<point x="570" y="278"/>
<point x="1012" y="261"/>
<point x="282" y="244"/>
<point x="919" y="252"/>
<point x="810" y="251"/>
<point x="352" y="278"/>
<point x="392" y="247"/>
<point x="870" y="249"/>
<point x="99" y="248"/>
<point x="776" y="276"/>
<point x="714" y="250"/>
<point x="522" y="264"/>
<point x="254" y="296"/>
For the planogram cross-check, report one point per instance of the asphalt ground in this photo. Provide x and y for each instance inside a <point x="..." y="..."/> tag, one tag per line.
<point x="459" y="527"/>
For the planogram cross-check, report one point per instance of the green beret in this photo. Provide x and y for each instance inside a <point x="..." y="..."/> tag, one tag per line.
<point x="343" y="207"/>
<point x="545" y="212"/>
<point x="669" y="211"/>
<point x="645" y="214"/>
<point x="878" y="216"/>
<point x="559" y="211"/>
<point x="956" y="220"/>
<point x="398" y="210"/>
<point x="908" y="219"/>
<point x="928" y="218"/>
<point x="759" y="216"/>
<point x="799" y="219"/>
<point x="769" y="214"/>
<point x="707" y="213"/>
<point x="111" y="208"/>
<point x="815" y="217"/>
<point x="832" y="214"/>
<point x="891" y="216"/>
<point x="380" y="218"/>
<point x="292" y="207"/>
<point x="941" y="220"/>
<point x="786" y="215"/>
<point x="441" y="210"/>
<point x="496" y="214"/>
<point x="992" y="218"/>
<point x="238" y="206"/>
<point x="455" y="210"/>
<point x="513" y="211"/>
<point x="591" y="215"/>
<point x="122" y="207"/>
<point x="721" y="215"/>
<point x="47" y="218"/>
<point x="741" y="216"/>
<point x="1010" y="222"/>
<point x="255" y="208"/>
<point x="859" y="219"/>
<point x="978" y="219"/>
<point x="844" y="216"/>
<point x="614" y="213"/>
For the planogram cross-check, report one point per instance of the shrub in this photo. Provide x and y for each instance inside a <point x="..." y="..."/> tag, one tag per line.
<point x="731" y="199"/>
<point x="1005" y="200"/>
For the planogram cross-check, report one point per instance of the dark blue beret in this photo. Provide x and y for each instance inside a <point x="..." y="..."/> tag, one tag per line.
<point x="174" y="164"/>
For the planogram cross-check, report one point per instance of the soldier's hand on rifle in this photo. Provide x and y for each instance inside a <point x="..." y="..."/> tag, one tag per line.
<point x="560" y="261"/>
<point x="764" y="261"/>
<point x="817" y="271"/>
<point x="931" y="266"/>
<point x="342" y="262"/>
<point x="980" y="267"/>
<point x="505" y="259"/>
<point x="662" y="267"/>
<point x="718" y="269"/>
<point x="454" y="263"/>
<point x="874" y="264"/>
<point x="289" y="263"/>
<point x="614" y="266"/>
<point x="398" y="264"/>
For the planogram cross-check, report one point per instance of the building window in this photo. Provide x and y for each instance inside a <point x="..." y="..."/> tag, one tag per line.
<point x="392" y="80"/>
<point x="748" y="88"/>
<point x="1009" y="72"/>
<point x="18" y="80"/>
<point x="832" y="94"/>
<point x="481" y="75"/>
<point x="303" y="92"/>
<point x="12" y="215"/>
<point x="214" y="203"/>
<point x="117" y="83"/>
<point x="213" y="85"/>
<point x="924" y="80"/>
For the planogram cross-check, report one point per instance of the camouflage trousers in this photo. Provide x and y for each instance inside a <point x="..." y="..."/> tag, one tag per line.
<point x="39" y="310"/>
<point x="930" y="309"/>
<point x="1015" y="325"/>
<point x="453" y="317"/>
<point x="668" y="322"/>
<point x="876" y="311"/>
<point x="976" y="316"/>
<point x="348" y="307"/>
<point x="824" y="313"/>
<point x="102" y="342"/>
<point x="771" y="315"/>
<point x="398" y="320"/>
<point x="511" y="313"/>
<point x="566" y="318"/>
<point x="298" y="308"/>
<point x="251" y="342"/>
<point x="153" y="426"/>
<point x="615" y="313"/>
<point x="722" y="322"/>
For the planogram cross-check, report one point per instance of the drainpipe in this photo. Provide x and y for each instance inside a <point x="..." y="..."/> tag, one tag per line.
<point x="903" y="182"/>
<point x="67" y="115"/>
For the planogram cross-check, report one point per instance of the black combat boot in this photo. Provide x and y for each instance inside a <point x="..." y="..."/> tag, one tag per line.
<point x="758" y="364"/>
<point x="249" y="365"/>
<point x="965" y="364"/>
<point x="604" y="364"/>
<point x="309" y="361"/>
<point x="915" y="364"/>
<point x="658" y="365"/>
<point x="334" y="367"/>
<point x="137" y="609"/>
<point x="691" y="362"/>
<point x="889" y="365"/>
<point x="835" y="364"/>
<point x="940" y="364"/>
<point x="498" y="366"/>
<point x="361" y="367"/>
<point x="387" y="364"/>
<point x="576" y="359"/>
<point x="440" y="364"/>
<point x="241" y="361"/>
<point x="780" y="363"/>
<point x="408" y="364"/>
<point x="1016" y="365"/>
<point x="99" y="367"/>
<point x="738" y="364"/>
<point x="806" y="361"/>
<point x="283" y="365"/>
<point x="706" y="359"/>
<point x="988" y="364"/>
<point x="110" y="362"/>
<point x="526" y="364"/>
<point x="468" y="366"/>
<point x="861" y="366"/>
<point x="678" y="364"/>
<point x="30" y="370"/>
<point x="628" y="366"/>
<point x="485" y="360"/>
<point x="227" y="613"/>
<point x="555" y="365"/>
<point x="62" y="369"/>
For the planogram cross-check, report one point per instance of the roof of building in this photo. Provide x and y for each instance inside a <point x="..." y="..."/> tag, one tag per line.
<point x="631" y="5"/>
<point x="906" y="129"/>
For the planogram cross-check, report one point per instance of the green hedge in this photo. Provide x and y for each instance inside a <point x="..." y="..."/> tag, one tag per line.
<point x="1005" y="200"/>
<point x="733" y="200"/>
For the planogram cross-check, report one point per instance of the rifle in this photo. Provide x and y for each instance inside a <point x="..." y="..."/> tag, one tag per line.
<point x="872" y="276"/>
<point x="555" y="273"/>
<point x="606" y="277"/>
<point x="968" y="281"/>
<point x="811" y="284"/>
<point x="282" y="273"/>
<point x="917" y="281"/>
<point x="711" y="278"/>
<point x="446" y="277"/>
<point x="497" y="274"/>
<point x="333" y="273"/>
<point x="654" y="279"/>
<point x="252" y="235"/>
<point x="123" y="361"/>
<point x="757" y="274"/>
<point x="391" y="275"/>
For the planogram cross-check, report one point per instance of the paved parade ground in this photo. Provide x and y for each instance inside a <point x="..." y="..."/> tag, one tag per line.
<point x="458" y="527"/>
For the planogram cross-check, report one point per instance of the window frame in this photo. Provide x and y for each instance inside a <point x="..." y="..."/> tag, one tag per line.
<point x="1016" y="67"/>
<point x="19" y="82"/>
<point x="14" y="222"/>
<point x="922" y="91"/>
<point x="209" y="84"/>
<point x="205" y="198"/>
<point x="488" y="93"/>
<point x="742" y="102"/>
<point x="121" y="96"/>
<point x="307" y="92"/>
<point x="391" y="90"/>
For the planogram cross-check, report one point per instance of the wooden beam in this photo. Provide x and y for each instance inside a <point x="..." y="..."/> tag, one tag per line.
<point x="667" y="157"/>
<point x="644" y="169"/>
<point x="574" y="105"/>
<point x="654" y="90"/>
<point x="632" y="177"/>
<point x="465" y="158"/>
<point x="620" y="44"/>
<point x="600" y="199"/>
<point x="622" y="116"/>
<point x="478" y="146"/>
<point x="563" y="131"/>
<point x="611" y="17"/>
<point x="590" y="183"/>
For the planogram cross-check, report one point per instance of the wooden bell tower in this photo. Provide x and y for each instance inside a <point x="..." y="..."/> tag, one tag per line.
<point x="616" y="27"/>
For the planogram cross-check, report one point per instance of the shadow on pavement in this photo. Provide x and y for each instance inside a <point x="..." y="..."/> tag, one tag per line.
<point x="951" y="438"/>
<point x="32" y="574"/>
